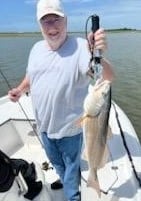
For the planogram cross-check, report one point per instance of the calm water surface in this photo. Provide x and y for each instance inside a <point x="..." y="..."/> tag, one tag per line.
<point x="124" y="51"/>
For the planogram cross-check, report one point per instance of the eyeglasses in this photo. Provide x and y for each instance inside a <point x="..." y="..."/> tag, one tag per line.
<point x="49" y="22"/>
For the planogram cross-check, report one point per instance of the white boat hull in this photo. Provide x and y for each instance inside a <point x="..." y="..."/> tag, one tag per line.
<point x="117" y="178"/>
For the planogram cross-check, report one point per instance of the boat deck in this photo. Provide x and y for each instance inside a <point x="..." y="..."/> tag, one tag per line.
<point x="18" y="140"/>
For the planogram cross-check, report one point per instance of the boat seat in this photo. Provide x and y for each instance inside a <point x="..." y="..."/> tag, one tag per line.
<point x="14" y="146"/>
<point x="11" y="141"/>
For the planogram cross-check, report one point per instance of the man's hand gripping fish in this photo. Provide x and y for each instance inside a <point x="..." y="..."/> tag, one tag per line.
<point x="95" y="124"/>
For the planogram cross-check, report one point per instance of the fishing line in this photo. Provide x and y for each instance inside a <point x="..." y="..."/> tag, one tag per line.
<point x="34" y="130"/>
<point x="116" y="113"/>
<point x="90" y="65"/>
<point x="86" y="35"/>
<point x="97" y="60"/>
<point x="113" y="167"/>
<point x="126" y="146"/>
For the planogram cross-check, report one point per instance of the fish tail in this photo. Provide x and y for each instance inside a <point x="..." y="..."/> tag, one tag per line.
<point x="94" y="183"/>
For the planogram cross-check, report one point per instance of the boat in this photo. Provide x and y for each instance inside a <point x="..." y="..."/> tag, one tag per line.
<point x="120" y="178"/>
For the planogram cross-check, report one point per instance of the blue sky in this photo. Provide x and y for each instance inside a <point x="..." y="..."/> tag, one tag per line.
<point x="20" y="15"/>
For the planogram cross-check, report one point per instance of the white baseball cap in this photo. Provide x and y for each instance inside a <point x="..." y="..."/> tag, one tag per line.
<point x="45" y="7"/>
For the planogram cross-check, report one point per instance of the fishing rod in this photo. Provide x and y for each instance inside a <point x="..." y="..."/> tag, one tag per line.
<point x="96" y="68"/>
<point x="126" y="146"/>
<point x="95" y="72"/>
<point x="10" y="87"/>
<point x="45" y="165"/>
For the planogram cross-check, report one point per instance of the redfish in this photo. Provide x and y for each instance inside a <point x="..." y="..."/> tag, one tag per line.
<point x="96" y="128"/>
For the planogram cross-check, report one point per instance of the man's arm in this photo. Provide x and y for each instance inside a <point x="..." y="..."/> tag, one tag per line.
<point x="108" y="72"/>
<point x="98" y="41"/>
<point x="15" y="93"/>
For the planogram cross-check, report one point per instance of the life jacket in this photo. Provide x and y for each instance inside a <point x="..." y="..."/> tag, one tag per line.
<point x="7" y="174"/>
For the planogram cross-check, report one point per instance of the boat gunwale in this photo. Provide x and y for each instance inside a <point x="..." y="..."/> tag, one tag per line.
<point x="16" y="119"/>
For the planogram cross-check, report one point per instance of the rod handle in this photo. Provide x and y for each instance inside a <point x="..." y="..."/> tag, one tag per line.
<point x="95" y="23"/>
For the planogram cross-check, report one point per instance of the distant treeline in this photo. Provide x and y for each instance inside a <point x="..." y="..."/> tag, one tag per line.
<point x="122" y="29"/>
<point x="16" y="34"/>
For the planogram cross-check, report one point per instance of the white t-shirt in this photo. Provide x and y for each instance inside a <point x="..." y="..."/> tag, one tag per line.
<point x="59" y="85"/>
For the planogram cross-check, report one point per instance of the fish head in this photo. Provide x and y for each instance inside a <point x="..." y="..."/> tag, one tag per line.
<point x="96" y="98"/>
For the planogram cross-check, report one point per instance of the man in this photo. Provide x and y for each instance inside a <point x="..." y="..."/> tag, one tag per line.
<point x="57" y="78"/>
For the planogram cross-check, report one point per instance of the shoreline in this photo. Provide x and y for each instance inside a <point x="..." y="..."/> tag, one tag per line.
<point x="16" y="34"/>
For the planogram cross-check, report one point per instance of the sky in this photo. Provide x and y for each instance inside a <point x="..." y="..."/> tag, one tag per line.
<point x="20" y="15"/>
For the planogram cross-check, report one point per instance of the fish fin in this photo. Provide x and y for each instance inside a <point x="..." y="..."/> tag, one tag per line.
<point x="79" y="122"/>
<point x="84" y="155"/>
<point x="104" y="158"/>
<point x="94" y="183"/>
<point x="106" y="151"/>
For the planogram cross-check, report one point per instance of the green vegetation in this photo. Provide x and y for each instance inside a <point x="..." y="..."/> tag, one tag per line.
<point x="21" y="34"/>
<point x="121" y="30"/>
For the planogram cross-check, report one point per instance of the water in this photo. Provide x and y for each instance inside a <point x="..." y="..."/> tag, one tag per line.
<point x="125" y="54"/>
<point x="124" y="51"/>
